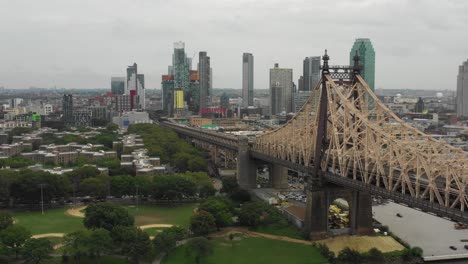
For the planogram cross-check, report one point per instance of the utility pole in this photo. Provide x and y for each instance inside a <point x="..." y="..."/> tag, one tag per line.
<point x="42" y="198"/>
<point x="137" y="196"/>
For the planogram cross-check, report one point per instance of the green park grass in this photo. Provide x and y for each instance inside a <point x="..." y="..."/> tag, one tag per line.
<point x="287" y="231"/>
<point x="251" y="250"/>
<point x="167" y="214"/>
<point x="53" y="221"/>
<point x="154" y="231"/>
<point x="56" y="221"/>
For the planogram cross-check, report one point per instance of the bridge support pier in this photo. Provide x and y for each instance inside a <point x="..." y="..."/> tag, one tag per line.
<point x="317" y="211"/>
<point x="278" y="176"/>
<point x="246" y="167"/>
<point x="316" y="216"/>
<point x="362" y="214"/>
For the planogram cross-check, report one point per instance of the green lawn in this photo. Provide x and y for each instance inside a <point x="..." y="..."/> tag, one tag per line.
<point x="56" y="221"/>
<point x="154" y="231"/>
<point x="253" y="250"/>
<point x="53" y="221"/>
<point x="175" y="215"/>
<point x="287" y="231"/>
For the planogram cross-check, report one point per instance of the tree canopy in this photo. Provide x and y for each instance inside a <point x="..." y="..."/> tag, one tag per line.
<point x="107" y="216"/>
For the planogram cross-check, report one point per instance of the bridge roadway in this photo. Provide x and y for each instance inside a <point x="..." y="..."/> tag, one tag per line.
<point x="232" y="143"/>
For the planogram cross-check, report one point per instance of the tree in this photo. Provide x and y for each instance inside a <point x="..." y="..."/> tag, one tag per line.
<point x="165" y="242"/>
<point x="132" y="241"/>
<point x="14" y="237"/>
<point x="107" y="216"/>
<point x="178" y="232"/>
<point x="76" y="244"/>
<point x="122" y="185"/>
<point x="35" y="250"/>
<point x="417" y="252"/>
<point x="206" y="190"/>
<point x="240" y="195"/>
<point x="111" y="127"/>
<point x="6" y="220"/>
<point x="100" y="241"/>
<point x="220" y="208"/>
<point x="251" y="213"/>
<point x="199" y="247"/>
<point x="229" y="184"/>
<point x="96" y="186"/>
<point x="202" y="223"/>
<point x="173" y="187"/>
<point x="7" y="177"/>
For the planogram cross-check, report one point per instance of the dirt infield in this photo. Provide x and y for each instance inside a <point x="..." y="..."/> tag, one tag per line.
<point x="49" y="235"/>
<point x="143" y="227"/>
<point x="362" y="243"/>
<point x="76" y="212"/>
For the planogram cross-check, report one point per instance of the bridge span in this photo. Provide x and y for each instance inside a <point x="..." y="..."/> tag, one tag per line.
<point x="351" y="146"/>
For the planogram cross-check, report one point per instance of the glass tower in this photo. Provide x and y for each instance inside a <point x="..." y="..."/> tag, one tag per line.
<point x="366" y="59"/>
<point x="181" y="66"/>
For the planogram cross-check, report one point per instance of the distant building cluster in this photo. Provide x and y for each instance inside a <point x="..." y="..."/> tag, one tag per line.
<point x="137" y="159"/>
<point x="186" y="91"/>
<point x="68" y="154"/>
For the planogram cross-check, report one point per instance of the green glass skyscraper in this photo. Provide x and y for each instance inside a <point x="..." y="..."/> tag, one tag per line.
<point x="366" y="59"/>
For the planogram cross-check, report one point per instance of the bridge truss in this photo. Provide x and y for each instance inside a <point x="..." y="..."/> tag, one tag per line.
<point x="368" y="143"/>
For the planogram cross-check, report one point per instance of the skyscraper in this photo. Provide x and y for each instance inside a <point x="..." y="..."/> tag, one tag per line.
<point x="118" y="85"/>
<point x="67" y="109"/>
<point x="281" y="90"/>
<point x="462" y="90"/>
<point x="167" y="84"/>
<point x="247" y="79"/>
<point x="180" y="66"/>
<point x="366" y="59"/>
<point x="135" y="87"/>
<point x="311" y="73"/>
<point x="204" y="73"/>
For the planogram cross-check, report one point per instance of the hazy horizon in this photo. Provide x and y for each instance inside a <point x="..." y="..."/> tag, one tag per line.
<point x="81" y="44"/>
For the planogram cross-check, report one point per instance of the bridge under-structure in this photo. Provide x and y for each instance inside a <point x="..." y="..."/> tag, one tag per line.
<point x="351" y="146"/>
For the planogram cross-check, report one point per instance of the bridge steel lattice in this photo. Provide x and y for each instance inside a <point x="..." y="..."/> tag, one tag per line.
<point x="344" y="135"/>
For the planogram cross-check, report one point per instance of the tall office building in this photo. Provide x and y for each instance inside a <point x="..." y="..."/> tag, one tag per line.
<point x="204" y="74"/>
<point x="118" y="85"/>
<point x="167" y="85"/>
<point x="67" y="109"/>
<point x="135" y="87"/>
<point x="281" y="90"/>
<point x="462" y="90"/>
<point x="181" y="66"/>
<point x="311" y="73"/>
<point x="366" y="59"/>
<point x="247" y="79"/>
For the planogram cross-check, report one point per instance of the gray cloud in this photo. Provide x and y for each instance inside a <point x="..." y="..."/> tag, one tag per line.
<point x="82" y="43"/>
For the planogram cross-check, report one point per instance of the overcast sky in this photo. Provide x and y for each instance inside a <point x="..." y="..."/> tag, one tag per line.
<point x="419" y="44"/>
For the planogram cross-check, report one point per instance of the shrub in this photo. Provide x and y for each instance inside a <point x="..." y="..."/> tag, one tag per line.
<point x="326" y="252"/>
<point x="375" y="255"/>
<point x="348" y="255"/>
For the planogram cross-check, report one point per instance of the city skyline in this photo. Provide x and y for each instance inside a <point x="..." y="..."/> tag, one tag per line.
<point x="57" y="57"/>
